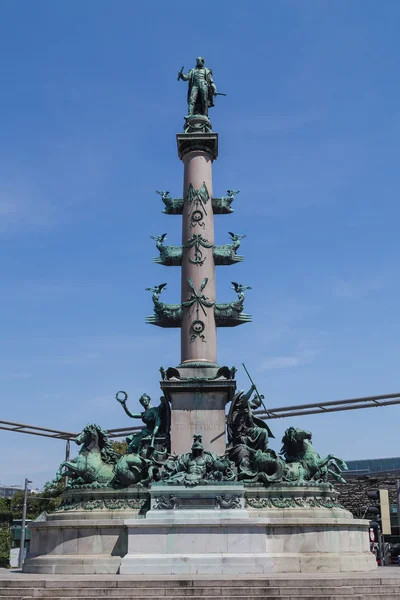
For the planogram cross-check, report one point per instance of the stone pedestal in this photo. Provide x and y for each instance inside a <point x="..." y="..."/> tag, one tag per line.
<point x="206" y="541"/>
<point x="218" y="529"/>
<point x="87" y="534"/>
<point x="198" y="406"/>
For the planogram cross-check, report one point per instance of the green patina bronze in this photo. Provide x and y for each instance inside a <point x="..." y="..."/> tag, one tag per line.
<point x="220" y="206"/>
<point x="222" y="372"/>
<point x="173" y="206"/>
<point x="293" y="502"/>
<point x="98" y="465"/>
<point x="98" y="504"/>
<point x="248" y="458"/>
<point x="255" y="463"/>
<point x="197" y="301"/>
<point x="170" y="502"/>
<point x="243" y="426"/>
<point x="304" y="462"/>
<point x="231" y="314"/>
<point x="172" y="256"/>
<point x="156" y="419"/>
<point x="227" y="254"/>
<point x="226" y="315"/>
<point x="236" y="239"/>
<point x="201" y="89"/>
<point x="165" y="315"/>
<point x="197" y="241"/>
<point x="197" y="200"/>
<point x="227" y="502"/>
<point x="197" y="467"/>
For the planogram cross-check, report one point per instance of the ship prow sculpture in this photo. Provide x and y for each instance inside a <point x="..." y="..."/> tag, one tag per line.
<point x="198" y="489"/>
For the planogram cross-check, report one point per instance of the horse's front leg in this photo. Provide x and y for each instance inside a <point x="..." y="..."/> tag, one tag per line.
<point x="339" y="462"/>
<point x="336" y="476"/>
<point x="71" y="471"/>
<point x="59" y="474"/>
<point x="324" y="461"/>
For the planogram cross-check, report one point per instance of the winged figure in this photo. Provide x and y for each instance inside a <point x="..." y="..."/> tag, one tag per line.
<point x="159" y="239"/>
<point x="232" y="193"/>
<point x="163" y="194"/>
<point x="240" y="289"/>
<point x="236" y="238"/>
<point x="157" y="290"/>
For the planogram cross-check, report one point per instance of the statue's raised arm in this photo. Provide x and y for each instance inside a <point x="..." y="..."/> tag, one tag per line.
<point x="156" y="421"/>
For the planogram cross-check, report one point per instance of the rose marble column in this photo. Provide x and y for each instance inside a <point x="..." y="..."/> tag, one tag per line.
<point x="198" y="332"/>
<point x="198" y="402"/>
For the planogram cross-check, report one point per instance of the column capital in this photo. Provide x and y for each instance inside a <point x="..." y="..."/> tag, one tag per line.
<point x="192" y="142"/>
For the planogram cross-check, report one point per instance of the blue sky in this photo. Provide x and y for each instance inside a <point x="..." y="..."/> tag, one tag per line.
<point x="308" y="132"/>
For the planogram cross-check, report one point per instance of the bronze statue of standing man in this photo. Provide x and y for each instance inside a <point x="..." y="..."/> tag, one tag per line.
<point x="201" y="90"/>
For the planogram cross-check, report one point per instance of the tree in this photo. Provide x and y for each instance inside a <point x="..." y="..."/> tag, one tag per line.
<point x="46" y="501"/>
<point x="6" y="518"/>
<point x="120" y="448"/>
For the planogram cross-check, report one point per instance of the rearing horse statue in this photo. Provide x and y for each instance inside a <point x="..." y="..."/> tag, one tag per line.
<point x="98" y="463"/>
<point x="304" y="463"/>
<point x="96" y="460"/>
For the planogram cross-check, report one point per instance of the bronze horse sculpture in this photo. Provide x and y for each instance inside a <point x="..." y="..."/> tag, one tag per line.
<point x="302" y="461"/>
<point x="98" y="464"/>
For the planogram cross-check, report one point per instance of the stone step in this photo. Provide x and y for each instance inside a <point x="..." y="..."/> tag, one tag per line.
<point x="228" y="593"/>
<point x="81" y="581"/>
<point x="215" y="592"/>
<point x="378" y="596"/>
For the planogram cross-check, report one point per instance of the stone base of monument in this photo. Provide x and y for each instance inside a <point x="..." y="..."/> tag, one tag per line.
<point x="229" y="529"/>
<point x="215" y="529"/>
<point x="87" y="534"/>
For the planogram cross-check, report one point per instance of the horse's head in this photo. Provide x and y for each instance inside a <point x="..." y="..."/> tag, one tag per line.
<point x="95" y="437"/>
<point x="91" y="435"/>
<point x="293" y="442"/>
<point x="295" y="436"/>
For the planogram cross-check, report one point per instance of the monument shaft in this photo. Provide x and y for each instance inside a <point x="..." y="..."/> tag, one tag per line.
<point x="198" y="331"/>
<point x="198" y="402"/>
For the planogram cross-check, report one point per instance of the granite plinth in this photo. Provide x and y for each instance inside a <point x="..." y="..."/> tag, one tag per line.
<point x="87" y="534"/>
<point x="198" y="406"/>
<point x="281" y="529"/>
<point x="245" y="546"/>
<point x="222" y="542"/>
<point x="199" y="502"/>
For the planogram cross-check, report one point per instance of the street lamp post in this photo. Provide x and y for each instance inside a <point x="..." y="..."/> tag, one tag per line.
<point x="22" y="545"/>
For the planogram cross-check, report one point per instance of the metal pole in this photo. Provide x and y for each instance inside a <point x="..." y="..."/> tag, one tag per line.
<point x="381" y="548"/>
<point x="22" y="544"/>
<point x="67" y="449"/>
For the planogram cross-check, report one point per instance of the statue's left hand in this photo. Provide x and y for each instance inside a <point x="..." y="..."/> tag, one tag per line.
<point x="121" y="400"/>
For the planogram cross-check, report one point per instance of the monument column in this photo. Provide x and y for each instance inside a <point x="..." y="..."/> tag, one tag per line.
<point x="198" y="389"/>
<point x="198" y="402"/>
<point x="198" y="294"/>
